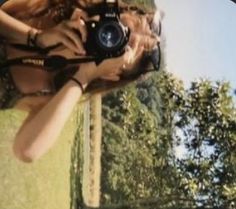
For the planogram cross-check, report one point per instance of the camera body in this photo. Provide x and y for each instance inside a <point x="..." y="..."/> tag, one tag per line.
<point x="107" y="37"/>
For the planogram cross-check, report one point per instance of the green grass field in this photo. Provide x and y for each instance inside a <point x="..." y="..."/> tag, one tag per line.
<point x="44" y="184"/>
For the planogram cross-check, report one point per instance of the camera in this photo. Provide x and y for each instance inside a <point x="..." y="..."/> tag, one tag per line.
<point x="107" y="37"/>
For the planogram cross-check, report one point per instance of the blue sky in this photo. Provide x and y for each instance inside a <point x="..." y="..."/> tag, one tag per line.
<point x="201" y="41"/>
<point x="201" y="38"/>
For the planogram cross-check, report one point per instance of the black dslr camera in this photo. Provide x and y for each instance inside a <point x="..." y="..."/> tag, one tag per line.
<point x="107" y="37"/>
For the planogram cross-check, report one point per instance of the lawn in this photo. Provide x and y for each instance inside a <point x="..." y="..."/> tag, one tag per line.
<point x="45" y="184"/>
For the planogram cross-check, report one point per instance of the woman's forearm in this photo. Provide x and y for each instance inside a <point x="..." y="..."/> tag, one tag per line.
<point x="12" y="29"/>
<point x="41" y="132"/>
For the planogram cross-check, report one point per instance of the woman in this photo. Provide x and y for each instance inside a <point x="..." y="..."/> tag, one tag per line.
<point x="47" y="112"/>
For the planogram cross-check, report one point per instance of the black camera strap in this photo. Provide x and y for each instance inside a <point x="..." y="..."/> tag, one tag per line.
<point x="48" y="63"/>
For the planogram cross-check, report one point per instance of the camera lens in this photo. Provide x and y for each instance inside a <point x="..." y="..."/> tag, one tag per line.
<point x="110" y="36"/>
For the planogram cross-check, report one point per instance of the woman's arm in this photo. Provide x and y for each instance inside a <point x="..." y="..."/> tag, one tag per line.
<point x="15" y="31"/>
<point x="12" y="29"/>
<point x="42" y="128"/>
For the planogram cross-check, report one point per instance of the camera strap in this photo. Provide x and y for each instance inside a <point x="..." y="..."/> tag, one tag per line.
<point x="48" y="63"/>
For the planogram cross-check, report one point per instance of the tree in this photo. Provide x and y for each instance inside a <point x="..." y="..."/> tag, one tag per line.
<point x="206" y="124"/>
<point x="129" y="135"/>
<point x="146" y="122"/>
<point x="137" y="142"/>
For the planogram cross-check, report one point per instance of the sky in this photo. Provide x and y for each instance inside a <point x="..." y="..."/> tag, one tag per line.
<point x="200" y="38"/>
<point x="200" y="41"/>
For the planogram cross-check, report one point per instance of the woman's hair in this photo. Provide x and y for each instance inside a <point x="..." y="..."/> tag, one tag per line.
<point x="59" y="10"/>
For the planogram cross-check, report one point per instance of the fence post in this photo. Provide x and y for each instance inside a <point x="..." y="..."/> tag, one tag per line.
<point x="92" y="152"/>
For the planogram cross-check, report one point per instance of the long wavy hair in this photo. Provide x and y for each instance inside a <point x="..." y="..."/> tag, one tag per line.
<point x="44" y="14"/>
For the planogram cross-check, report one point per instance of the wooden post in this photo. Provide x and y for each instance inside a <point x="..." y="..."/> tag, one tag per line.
<point x="92" y="161"/>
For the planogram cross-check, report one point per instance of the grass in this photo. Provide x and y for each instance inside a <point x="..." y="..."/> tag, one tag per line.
<point x="43" y="184"/>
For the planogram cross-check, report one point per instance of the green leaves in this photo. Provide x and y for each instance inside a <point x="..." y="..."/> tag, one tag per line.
<point x="207" y="119"/>
<point x="145" y="122"/>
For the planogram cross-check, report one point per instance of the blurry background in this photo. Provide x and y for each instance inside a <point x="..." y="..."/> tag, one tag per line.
<point x="200" y="38"/>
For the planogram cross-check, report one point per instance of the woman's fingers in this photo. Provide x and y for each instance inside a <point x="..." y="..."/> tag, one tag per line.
<point x="66" y="41"/>
<point x="74" y="37"/>
<point x="80" y="26"/>
<point x="79" y="14"/>
<point x="71" y="33"/>
<point x="77" y="22"/>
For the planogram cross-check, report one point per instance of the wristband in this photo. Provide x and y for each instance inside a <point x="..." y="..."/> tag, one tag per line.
<point x="78" y="83"/>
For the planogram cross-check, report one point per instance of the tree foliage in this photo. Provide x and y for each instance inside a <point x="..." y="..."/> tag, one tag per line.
<point x="206" y="125"/>
<point x="146" y="122"/>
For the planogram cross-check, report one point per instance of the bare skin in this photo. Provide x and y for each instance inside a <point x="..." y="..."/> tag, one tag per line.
<point x="40" y="131"/>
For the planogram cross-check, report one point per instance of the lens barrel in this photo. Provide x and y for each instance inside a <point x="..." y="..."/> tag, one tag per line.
<point x="110" y="36"/>
<point x="106" y="39"/>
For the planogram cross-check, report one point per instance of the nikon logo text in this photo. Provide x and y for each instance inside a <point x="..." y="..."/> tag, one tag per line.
<point x="110" y="15"/>
<point x="38" y="62"/>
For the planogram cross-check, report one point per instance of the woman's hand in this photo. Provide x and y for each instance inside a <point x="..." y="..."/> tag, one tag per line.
<point x="71" y="33"/>
<point x="109" y="69"/>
